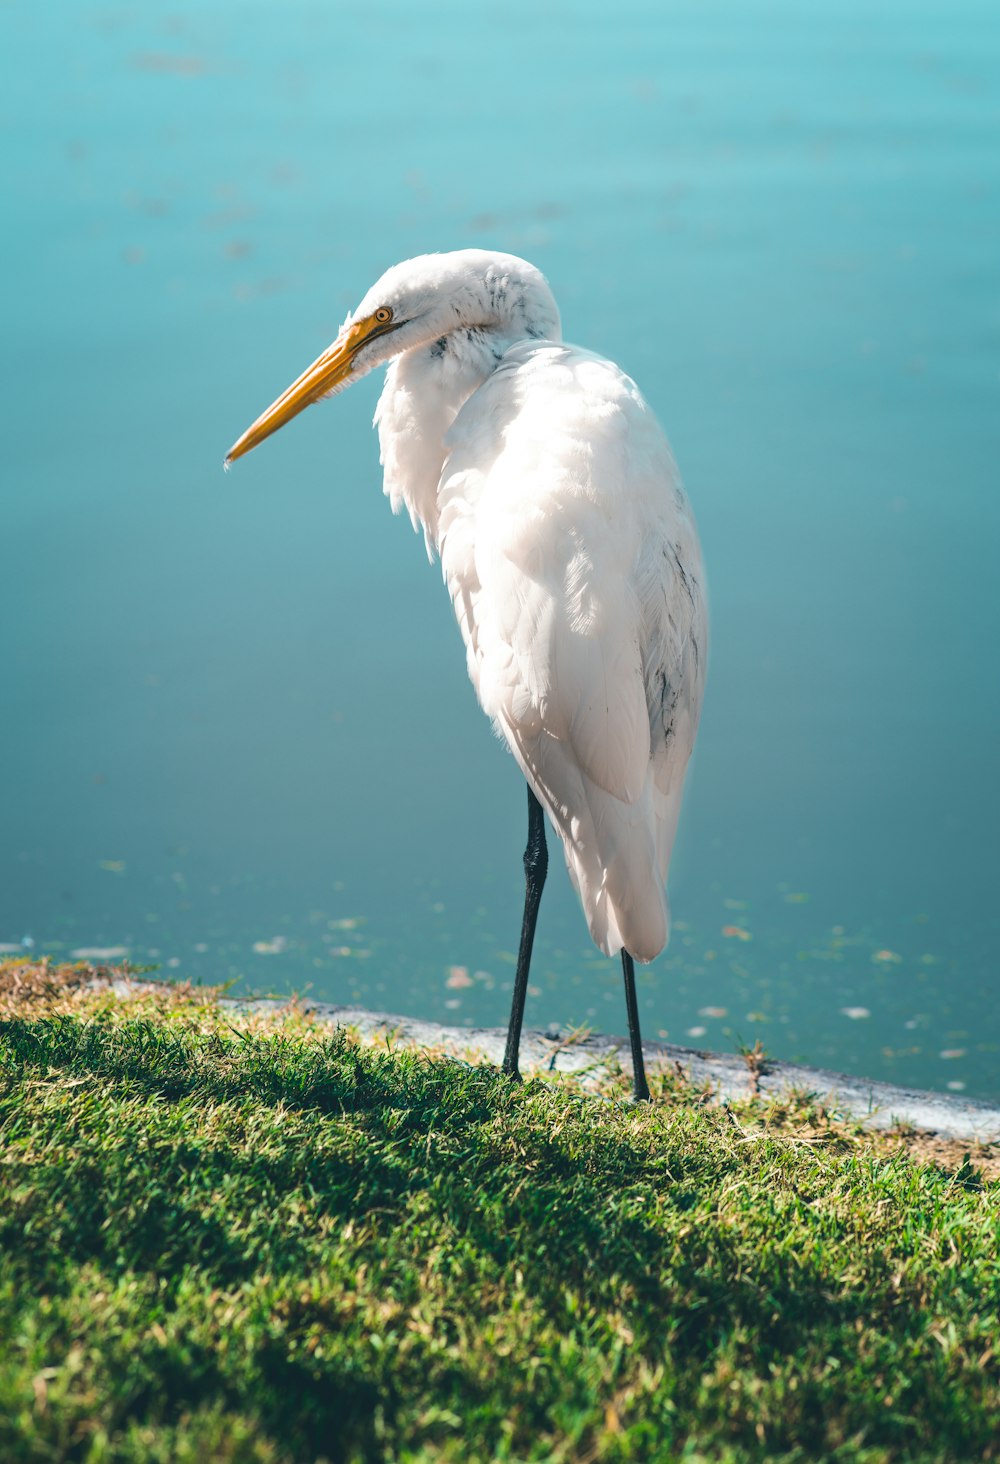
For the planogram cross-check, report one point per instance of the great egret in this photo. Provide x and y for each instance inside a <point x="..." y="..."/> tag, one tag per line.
<point x="543" y="481"/>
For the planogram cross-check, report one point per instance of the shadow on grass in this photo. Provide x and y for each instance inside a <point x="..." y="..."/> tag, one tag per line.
<point x="246" y="1157"/>
<point x="511" y="1190"/>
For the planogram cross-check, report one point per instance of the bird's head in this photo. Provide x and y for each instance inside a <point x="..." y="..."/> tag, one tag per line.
<point x="418" y="301"/>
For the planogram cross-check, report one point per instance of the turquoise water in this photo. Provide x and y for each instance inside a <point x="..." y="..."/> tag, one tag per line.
<point x="238" y="739"/>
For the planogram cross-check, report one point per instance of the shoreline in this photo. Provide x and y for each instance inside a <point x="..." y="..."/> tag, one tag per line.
<point x="591" y="1056"/>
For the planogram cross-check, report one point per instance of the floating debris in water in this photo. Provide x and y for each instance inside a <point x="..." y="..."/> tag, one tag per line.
<point x="274" y="947"/>
<point x="950" y="1053"/>
<point x="458" y="977"/>
<point x="956" y="1085"/>
<point x="856" y="1014"/>
<point x="736" y="932"/>
<point x="9" y="949"/>
<point x="797" y="899"/>
<point x="696" y="1031"/>
<point x="453" y="1003"/>
<point x="710" y="1011"/>
<point x="99" y="953"/>
<point x="887" y="958"/>
<point x="113" y="866"/>
<point x="350" y="922"/>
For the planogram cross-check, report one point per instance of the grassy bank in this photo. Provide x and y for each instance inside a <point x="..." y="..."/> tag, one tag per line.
<point x="270" y="1243"/>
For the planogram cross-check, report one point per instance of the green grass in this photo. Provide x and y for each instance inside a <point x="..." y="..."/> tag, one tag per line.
<point x="279" y="1244"/>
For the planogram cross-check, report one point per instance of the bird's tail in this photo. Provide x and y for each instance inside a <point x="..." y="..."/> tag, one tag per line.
<point x="617" y="853"/>
<point x="614" y="865"/>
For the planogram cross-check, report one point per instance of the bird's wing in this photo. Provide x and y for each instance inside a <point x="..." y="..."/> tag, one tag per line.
<point x="539" y="537"/>
<point x="565" y="539"/>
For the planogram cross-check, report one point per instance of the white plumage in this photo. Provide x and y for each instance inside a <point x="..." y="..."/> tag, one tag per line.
<point x="543" y="481"/>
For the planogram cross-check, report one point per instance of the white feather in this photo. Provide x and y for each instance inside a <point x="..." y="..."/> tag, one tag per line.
<point x="575" y="572"/>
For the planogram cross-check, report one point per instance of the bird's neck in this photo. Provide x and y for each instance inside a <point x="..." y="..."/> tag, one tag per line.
<point x="425" y="389"/>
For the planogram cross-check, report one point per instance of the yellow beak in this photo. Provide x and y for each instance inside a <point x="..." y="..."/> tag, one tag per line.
<point x="325" y="373"/>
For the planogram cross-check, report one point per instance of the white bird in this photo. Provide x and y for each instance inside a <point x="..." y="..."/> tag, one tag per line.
<point x="544" y="483"/>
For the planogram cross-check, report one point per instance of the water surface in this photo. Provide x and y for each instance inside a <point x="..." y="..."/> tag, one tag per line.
<point x="238" y="739"/>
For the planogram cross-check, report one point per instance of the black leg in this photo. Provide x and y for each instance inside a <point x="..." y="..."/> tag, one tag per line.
<point x="536" y="863"/>
<point x="640" y="1089"/>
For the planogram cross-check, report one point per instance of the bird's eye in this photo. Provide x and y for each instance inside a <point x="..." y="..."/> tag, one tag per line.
<point x="383" y="314"/>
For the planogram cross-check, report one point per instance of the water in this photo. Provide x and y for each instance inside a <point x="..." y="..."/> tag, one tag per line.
<point x="237" y="737"/>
